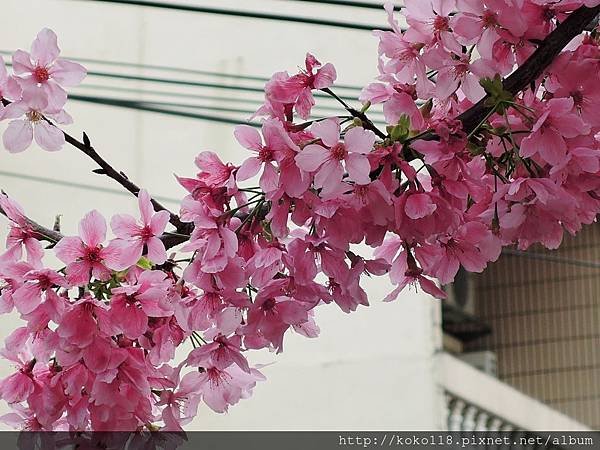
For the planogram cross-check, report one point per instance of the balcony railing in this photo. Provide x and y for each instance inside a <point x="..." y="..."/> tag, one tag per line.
<point x="476" y="401"/>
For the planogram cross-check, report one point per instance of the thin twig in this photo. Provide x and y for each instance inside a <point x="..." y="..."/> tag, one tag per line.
<point x="40" y="232"/>
<point x="367" y="123"/>
<point x="111" y="172"/>
<point x="118" y="176"/>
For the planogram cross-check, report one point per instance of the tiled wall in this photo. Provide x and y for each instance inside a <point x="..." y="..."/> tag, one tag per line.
<point x="545" y="317"/>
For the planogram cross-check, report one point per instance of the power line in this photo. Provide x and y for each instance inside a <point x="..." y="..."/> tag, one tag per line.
<point x="196" y="83"/>
<point x="163" y="108"/>
<point x="148" y="106"/>
<point x="248" y="101"/>
<point x="350" y="3"/>
<point x="180" y="70"/>
<point x="247" y="14"/>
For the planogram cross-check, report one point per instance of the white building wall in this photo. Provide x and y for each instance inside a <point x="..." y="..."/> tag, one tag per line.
<point x="372" y="369"/>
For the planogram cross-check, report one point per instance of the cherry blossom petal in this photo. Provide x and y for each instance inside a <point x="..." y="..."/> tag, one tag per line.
<point x="358" y="168"/>
<point x="69" y="249"/>
<point x="48" y="137"/>
<point x="92" y="229"/>
<point x="18" y="136"/>
<point x="124" y="226"/>
<point x="67" y="73"/>
<point x="248" y="169"/>
<point x="248" y="137"/>
<point x="359" y="140"/>
<point x="156" y="251"/>
<point x="311" y="157"/>
<point x="327" y="130"/>
<point x="145" y="205"/>
<point x="44" y="49"/>
<point x="419" y="206"/>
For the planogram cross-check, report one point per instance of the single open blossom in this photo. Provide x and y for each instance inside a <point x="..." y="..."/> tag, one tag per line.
<point x="473" y="246"/>
<point x="21" y="235"/>
<point x="429" y="22"/>
<point x="404" y="272"/>
<point x="277" y="144"/>
<point x="17" y="387"/>
<point x="223" y="388"/>
<point x="221" y="353"/>
<point x="479" y="21"/>
<point x="326" y="160"/>
<point x="42" y="67"/>
<point x="134" y="239"/>
<point x="456" y="72"/>
<point x="31" y="115"/>
<point x="85" y="254"/>
<point x="132" y="306"/>
<point x="556" y="123"/>
<point x="181" y="403"/>
<point x="272" y="314"/>
<point x="213" y="172"/>
<point x="573" y="81"/>
<point x="36" y="284"/>
<point x="298" y="89"/>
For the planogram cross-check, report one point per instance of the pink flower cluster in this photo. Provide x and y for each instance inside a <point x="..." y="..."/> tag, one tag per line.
<point x="100" y="332"/>
<point x="97" y="350"/>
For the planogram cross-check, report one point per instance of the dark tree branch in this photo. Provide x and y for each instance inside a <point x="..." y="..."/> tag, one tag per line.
<point x="111" y="172"/>
<point x="531" y="69"/>
<point x="119" y="177"/>
<point x="42" y="233"/>
<point x="173" y="240"/>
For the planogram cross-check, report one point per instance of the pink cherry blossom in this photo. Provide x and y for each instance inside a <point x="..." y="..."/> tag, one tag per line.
<point x="134" y="239"/>
<point x="181" y="403"/>
<point x="42" y="67"/>
<point x="270" y="154"/>
<point x="326" y="160"/>
<point x="223" y="388"/>
<point x="85" y="255"/>
<point x="556" y="123"/>
<point x="221" y="353"/>
<point x="9" y="87"/>
<point x="37" y="283"/>
<point x="131" y="306"/>
<point x="298" y="88"/>
<point x="429" y="22"/>
<point x="20" y="133"/>
<point x="404" y="271"/>
<point x="21" y="235"/>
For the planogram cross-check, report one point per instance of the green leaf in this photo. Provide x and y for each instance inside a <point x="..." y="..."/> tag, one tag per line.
<point x="144" y="263"/>
<point x="401" y="131"/>
<point x="495" y="90"/>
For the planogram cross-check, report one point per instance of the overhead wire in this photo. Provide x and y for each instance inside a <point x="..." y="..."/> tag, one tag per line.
<point x="247" y="14"/>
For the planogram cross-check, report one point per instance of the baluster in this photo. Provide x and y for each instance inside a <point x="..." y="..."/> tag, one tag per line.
<point x="469" y="419"/>
<point x="495" y="424"/>
<point x="456" y="416"/>
<point x="481" y="421"/>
